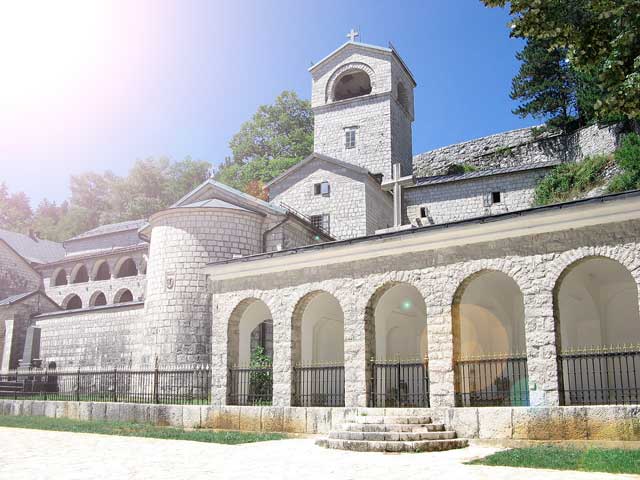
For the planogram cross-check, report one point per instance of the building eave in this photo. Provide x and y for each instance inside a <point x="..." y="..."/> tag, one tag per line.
<point x="557" y="217"/>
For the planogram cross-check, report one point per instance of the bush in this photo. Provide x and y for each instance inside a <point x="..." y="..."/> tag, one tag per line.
<point x="627" y="157"/>
<point x="459" y="168"/>
<point x="569" y="180"/>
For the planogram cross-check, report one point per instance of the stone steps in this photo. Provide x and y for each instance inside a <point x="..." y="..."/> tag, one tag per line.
<point x="392" y="433"/>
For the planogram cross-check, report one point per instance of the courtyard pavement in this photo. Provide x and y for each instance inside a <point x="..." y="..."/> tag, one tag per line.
<point x="37" y="454"/>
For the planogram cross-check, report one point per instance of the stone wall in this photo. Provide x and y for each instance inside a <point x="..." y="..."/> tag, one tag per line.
<point x="519" y="147"/>
<point x="105" y="336"/>
<point x="459" y="200"/>
<point x="603" y="423"/>
<point x="16" y="275"/>
<point x="534" y="262"/>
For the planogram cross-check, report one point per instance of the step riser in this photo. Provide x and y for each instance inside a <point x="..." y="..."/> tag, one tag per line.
<point x="387" y="427"/>
<point x="376" y="420"/>
<point x="363" y="446"/>
<point x="392" y="437"/>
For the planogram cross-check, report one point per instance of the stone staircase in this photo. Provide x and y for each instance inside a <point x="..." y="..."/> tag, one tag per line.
<point x="392" y="434"/>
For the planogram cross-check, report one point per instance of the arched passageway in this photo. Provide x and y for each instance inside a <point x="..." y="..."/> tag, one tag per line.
<point x="397" y="344"/>
<point x="126" y="268"/>
<point x="354" y="83"/>
<point x="250" y="354"/>
<point x="72" y="302"/>
<point x="97" y="299"/>
<point x="123" y="296"/>
<point x="490" y="363"/>
<point x="79" y="274"/>
<point x="318" y="351"/>
<point x="598" y="325"/>
<point x="60" y="278"/>
<point x="102" y="271"/>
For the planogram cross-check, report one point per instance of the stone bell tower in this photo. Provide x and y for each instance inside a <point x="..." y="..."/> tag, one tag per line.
<point x="362" y="100"/>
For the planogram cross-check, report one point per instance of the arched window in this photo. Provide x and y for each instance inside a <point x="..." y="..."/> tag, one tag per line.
<point x="97" y="299"/>
<point x="102" y="272"/>
<point x="355" y="83"/>
<point x="401" y="95"/>
<point x="60" y="278"/>
<point x="123" y="296"/>
<point x="79" y="274"/>
<point x="126" y="268"/>
<point x="72" y="302"/>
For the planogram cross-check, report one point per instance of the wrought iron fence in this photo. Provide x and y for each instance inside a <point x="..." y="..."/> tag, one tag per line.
<point x="600" y="376"/>
<point x="492" y="381"/>
<point x="399" y="383"/>
<point x="166" y="385"/>
<point x="318" y="385"/>
<point x="250" y="385"/>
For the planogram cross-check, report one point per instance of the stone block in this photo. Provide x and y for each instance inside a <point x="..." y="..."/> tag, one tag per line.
<point x="126" y="412"/>
<point x="272" y="419"/>
<point x="141" y="413"/>
<point x="495" y="422"/>
<point x="71" y="410"/>
<point x="98" y="411"/>
<point x="191" y="416"/>
<point x="613" y="422"/>
<point x="112" y="412"/>
<point x="50" y="409"/>
<point x="84" y="411"/>
<point x="464" y="421"/>
<point x="294" y="420"/>
<point x="15" y="408"/>
<point x="165" y="415"/>
<point x="27" y="406"/>
<point x="250" y="419"/>
<point x="61" y="409"/>
<point x="318" y="420"/>
<point x="538" y="423"/>
<point x="221" y="418"/>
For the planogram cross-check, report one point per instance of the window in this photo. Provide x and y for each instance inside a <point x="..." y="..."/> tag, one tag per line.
<point x="321" y="222"/>
<point x="423" y="212"/>
<point x="496" y="197"/>
<point x="350" y="138"/>
<point x="321" y="189"/>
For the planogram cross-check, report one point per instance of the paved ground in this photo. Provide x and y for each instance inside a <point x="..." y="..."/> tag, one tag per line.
<point x="35" y="455"/>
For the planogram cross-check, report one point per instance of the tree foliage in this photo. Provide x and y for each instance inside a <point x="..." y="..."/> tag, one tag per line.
<point x="277" y="137"/>
<point x="601" y="37"/>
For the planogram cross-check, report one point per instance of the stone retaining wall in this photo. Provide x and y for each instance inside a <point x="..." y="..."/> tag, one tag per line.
<point x="517" y="423"/>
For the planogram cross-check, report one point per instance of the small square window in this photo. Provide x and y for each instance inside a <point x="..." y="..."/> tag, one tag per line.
<point x="423" y="212"/>
<point x="350" y="138"/>
<point x="321" y="188"/>
<point x="496" y="197"/>
<point x="321" y="222"/>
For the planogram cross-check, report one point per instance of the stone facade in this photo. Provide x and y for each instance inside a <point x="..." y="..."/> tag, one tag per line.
<point x="106" y="336"/>
<point x="355" y="204"/>
<point x="520" y="147"/>
<point x="16" y="274"/>
<point x="382" y="123"/>
<point x="533" y="261"/>
<point x="458" y="200"/>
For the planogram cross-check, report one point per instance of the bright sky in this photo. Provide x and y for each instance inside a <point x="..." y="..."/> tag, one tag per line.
<point x="92" y="86"/>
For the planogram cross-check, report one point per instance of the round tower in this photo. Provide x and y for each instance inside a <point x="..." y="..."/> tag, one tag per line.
<point x="177" y="314"/>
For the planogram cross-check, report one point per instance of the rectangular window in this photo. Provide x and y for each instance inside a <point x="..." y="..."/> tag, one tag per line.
<point x="496" y="197"/>
<point x="321" y="189"/>
<point x="423" y="212"/>
<point x="321" y="222"/>
<point x="350" y="138"/>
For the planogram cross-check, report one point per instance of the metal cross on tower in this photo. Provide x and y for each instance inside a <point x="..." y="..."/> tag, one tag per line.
<point x="352" y="35"/>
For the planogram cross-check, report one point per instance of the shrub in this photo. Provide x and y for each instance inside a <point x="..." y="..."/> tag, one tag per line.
<point x="627" y="157"/>
<point x="460" y="168"/>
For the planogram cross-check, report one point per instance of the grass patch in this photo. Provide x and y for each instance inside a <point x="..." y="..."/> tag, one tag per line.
<point x="559" y="458"/>
<point x="128" y="429"/>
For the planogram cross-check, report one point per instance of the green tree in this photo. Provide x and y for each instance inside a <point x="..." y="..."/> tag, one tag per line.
<point x="600" y="36"/>
<point x="277" y="137"/>
<point x="15" y="211"/>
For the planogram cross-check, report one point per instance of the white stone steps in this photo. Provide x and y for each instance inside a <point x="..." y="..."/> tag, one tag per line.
<point x="391" y="419"/>
<point x="393" y="436"/>
<point x="391" y="427"/>
<point x="389" y="446"/>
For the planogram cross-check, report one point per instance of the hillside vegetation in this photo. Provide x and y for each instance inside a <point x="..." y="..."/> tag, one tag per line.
<point x="571" y="181"/>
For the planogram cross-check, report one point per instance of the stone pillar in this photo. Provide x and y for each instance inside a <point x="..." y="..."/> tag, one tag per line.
<point x="359" y="345"/>
<point x="219" y="352"/>
<point x="283" y="348"/>
<point x="440" y="353"/>
<point x="7" y="342"/>
<point x="542" y="364"/>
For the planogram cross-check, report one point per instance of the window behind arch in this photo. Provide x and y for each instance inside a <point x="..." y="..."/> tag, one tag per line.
<point x="352" y="84"/>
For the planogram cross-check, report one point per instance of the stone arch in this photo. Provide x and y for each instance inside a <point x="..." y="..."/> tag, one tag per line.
<point x="79" y="274"/>
<point x="402" y="96"/>
<point x="101" y="271"/>
<point x="59" y="277"/>
<point x="72" y="302"/>
<point x="97" y="299"/>
<point x="359" y="69"/>
<point x="245" y="317"/>
<point x="317" y="349"/>
<point x="595" y="302"/>
<point x="125" y="267"/>
<point x="123" y="295"/>
<point x="489" y="341"/>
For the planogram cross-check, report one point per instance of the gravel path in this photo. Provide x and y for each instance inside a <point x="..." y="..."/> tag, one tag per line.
<point x="36" y="454"/>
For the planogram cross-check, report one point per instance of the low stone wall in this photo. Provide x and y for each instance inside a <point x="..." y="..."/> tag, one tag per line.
<point x="504" y="423"/>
